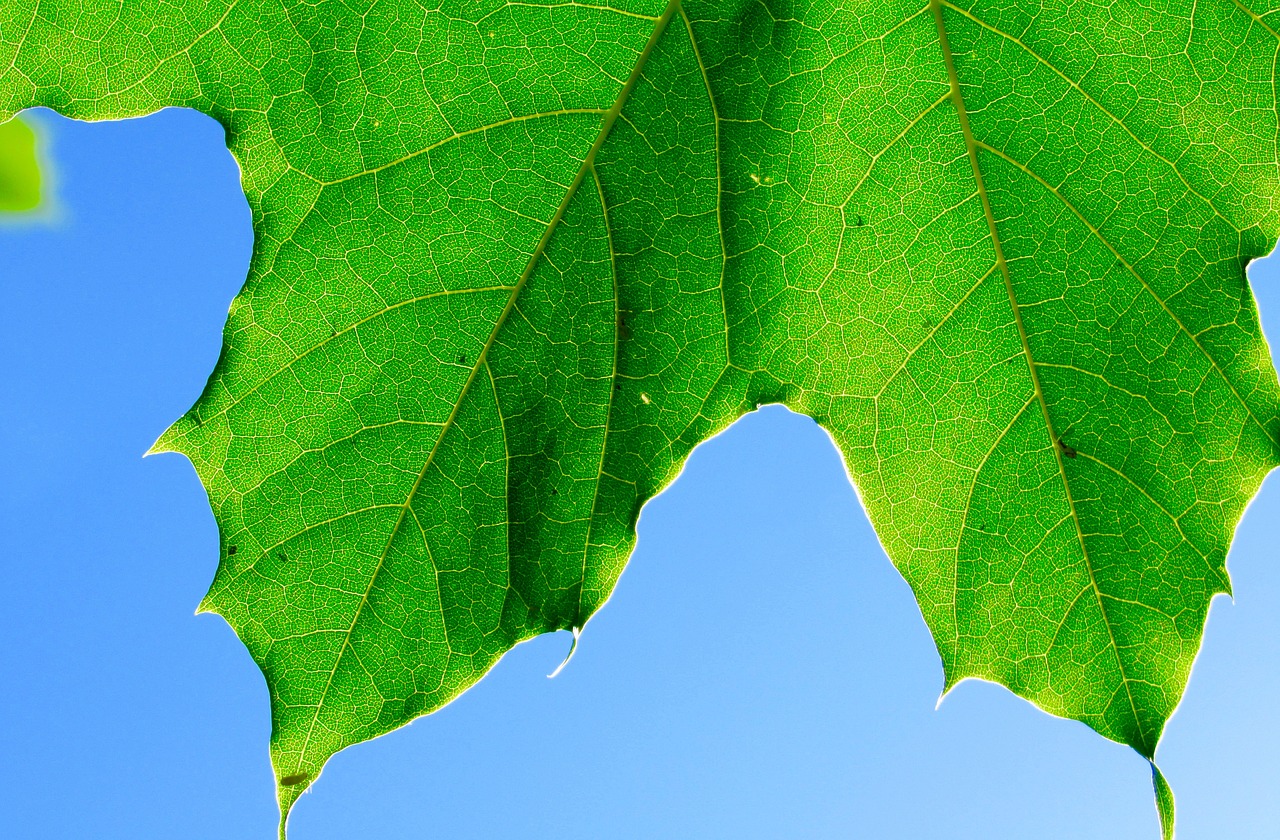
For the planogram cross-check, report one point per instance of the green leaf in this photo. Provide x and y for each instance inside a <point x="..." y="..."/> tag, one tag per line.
<point x="1164" y="802"/>
<point x="514" y="260"/>
<point x="19" y="169"/>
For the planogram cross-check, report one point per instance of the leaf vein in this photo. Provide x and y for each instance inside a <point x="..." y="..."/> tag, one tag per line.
<point x="613" y="386"/>
<point x="1133" y="271"/>
<point x="1091" y="100"/>
<point x="972" y="147"/>
<point x="607" y="122"/>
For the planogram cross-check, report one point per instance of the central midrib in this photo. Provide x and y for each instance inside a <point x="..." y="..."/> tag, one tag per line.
<point x="607" y="122"/>
<point x="971" y="146"/>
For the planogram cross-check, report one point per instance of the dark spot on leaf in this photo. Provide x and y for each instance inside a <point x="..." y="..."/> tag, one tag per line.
<point x="294" y="779"/>
<point x="231" y="551"/>
<point x="1066" y="450"/>
<point x="859" y="222"/>
<point x="555" y="492"/>
<point x="462" y="359"/>
<point x="282" y="556"/>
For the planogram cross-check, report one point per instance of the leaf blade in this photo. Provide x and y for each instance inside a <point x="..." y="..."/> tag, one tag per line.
<point x="981" y="246"/>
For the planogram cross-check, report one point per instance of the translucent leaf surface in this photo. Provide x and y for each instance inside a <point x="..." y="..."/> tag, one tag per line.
<point x="19" y="169"/>
<point x="514" y="260"/>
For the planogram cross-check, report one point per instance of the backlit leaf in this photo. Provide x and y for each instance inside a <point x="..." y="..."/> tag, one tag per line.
<point x="514" y="260"/>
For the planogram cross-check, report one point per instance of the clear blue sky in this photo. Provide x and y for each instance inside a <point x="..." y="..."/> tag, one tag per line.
<point x="761" y="672"/>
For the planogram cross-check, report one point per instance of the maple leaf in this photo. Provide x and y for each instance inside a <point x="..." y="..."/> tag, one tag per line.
<point x="514" y="260"/>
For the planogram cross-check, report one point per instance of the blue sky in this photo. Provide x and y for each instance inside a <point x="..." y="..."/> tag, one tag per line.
<point x="761" y="672"/>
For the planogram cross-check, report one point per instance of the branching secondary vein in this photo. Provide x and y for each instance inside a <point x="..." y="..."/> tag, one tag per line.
<point x="972" y="145"/>
<point x="607" y="122"/>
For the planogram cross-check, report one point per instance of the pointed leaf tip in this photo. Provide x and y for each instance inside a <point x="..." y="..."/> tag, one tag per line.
<point x="573" y="646"/>
<point x="1164" y="802"/>
<point x="373" y="418"/>
<point x="289" y="788"/>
